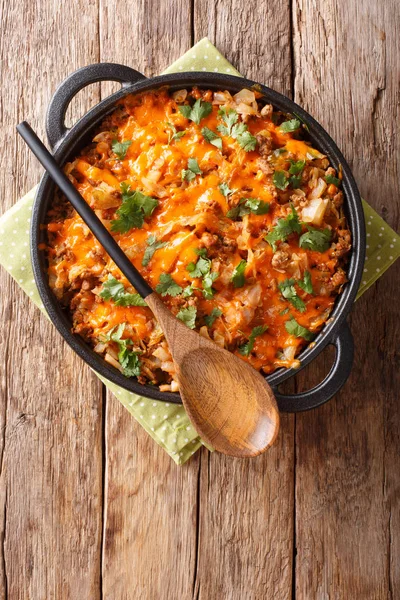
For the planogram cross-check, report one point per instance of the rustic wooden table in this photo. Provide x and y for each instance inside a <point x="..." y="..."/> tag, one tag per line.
<point x="90" y="506"/>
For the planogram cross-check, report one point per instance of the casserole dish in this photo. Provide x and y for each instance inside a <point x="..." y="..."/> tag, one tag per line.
<point x="66" y="144"/>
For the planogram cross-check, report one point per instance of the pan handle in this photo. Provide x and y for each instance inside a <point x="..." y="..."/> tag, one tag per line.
<point x="55" y="119"/>
<point x="336" y="378"/>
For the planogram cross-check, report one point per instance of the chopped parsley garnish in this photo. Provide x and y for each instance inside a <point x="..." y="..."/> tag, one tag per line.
<point x="174" y="135"/>
<point x="238" y="279"/>
<point x="238" y="131"/>
<point x="225" y="189"/>
<point x="306" y="283"/>
<point x="167" y="286"/>
<point x="256" y="206"/>
<point x="113" y="289"/>
<point x="202" y="269"/>
<point x="128" y="359"/>
<point x="214" y="314"/>
<point x="188" y="291"/>
<point x="280" y="180"/>
<point x="152" y="246"/>
<point x="133" y="210"/>
<point x="247" y="348"/>
<point x="295" y="170"/>
<point x="229" y="117"/>
<point x="293" y="328"/>
<point x="315" y="239"/>
<point x="188" y="316"/>
<point x="283" y="228"/>
<point x="120" y="148"/>
<point x="331" y="179"/>
<point x="193" y="169"/>
<point x="211" y="137"/>
<point x="289" y="126"/>
<point x="296" y="167"/>
<point x="197" y="112"/>
<point x="247" y="205"/>
<point x="288" y="291"/>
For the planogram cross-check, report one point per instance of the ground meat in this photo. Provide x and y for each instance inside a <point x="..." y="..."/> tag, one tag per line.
<point x="336" y="281"/>
<point x="280" y="259"/>
<point x="265" y="166"/>
<point x="338" y="199"/>
<point x="266" y="111"/>
<point x="343" y="245"/>
<point x="209" y="239"/>
<point x="330" y="171"/>
<point x="264" y="143"/>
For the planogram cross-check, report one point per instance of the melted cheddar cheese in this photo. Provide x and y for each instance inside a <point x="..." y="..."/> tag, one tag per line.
<point x="216" y="198"/>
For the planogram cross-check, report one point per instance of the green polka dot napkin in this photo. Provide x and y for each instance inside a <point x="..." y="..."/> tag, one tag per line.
<point x="168" y="424"/>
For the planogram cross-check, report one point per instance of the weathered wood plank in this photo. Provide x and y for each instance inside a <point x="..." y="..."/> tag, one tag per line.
<point x="150" y="521"/>
<point x="246" y="507"/>
<point x="51" y="484"/>
<point x="347" y="479"/>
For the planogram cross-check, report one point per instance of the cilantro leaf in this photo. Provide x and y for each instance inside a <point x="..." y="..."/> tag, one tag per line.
<point x="188" y="316"/>
<point x="174" y="135"/>
<point x="289" y="126"/>
<point x="296" y="167"/>
<point x="208" y="280"/>
<point x="214" y="314"/>
<point x="199" y="111"/>
<point x="188" y="291"/>
<point x="258" y="207"/>
<point x="129" y="362"/>
<point x="294" y="328"/>
<point x="288" y="291"/>
<point x="193" y="169"/>
<point x="315" y="239"/>
<point x="134" y="208"/>
<point x="211" y="137"/>
<point x="185" y="110"/>
<point x="201" y="252"/>
<point x="120" y="148"/>
<point x="331" y="179"/>
<point x="225" y="189"/>
<point x="112" y="289"/>
<point x="167" y="286"/>
<point x="247" y="348"/>
<point x="128" y="359"/>
<point x="238" y="279"/>
<point x="306" y="283"/>
<point x="247" y="141"/>
<point x="284" y="228"/>
<point x="247" y="205"/>
<point x="280" y="180"/>
<point x="202" y="269"/>
<point x="152" y="246"/>
<point x="229" y="117"/>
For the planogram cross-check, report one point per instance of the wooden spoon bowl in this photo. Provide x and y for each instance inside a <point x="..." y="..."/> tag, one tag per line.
<point x="229" y="403"/>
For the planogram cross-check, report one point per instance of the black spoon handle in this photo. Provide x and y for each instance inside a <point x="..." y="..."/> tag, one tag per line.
<point x="83" y="209"/>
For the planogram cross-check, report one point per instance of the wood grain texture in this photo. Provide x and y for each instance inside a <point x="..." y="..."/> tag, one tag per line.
<point x="246" y="508"/>
<point x="347" y="476"/>
<point x="151" y="504"/>
<point x="217" y="527"/>
<point x="51" y="484"/>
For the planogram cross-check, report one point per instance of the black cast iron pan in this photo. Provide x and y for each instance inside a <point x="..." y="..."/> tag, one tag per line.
<point x="66" y="143"/>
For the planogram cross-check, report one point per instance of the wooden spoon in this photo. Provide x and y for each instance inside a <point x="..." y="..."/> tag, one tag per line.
<point x="229" y="403"/>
